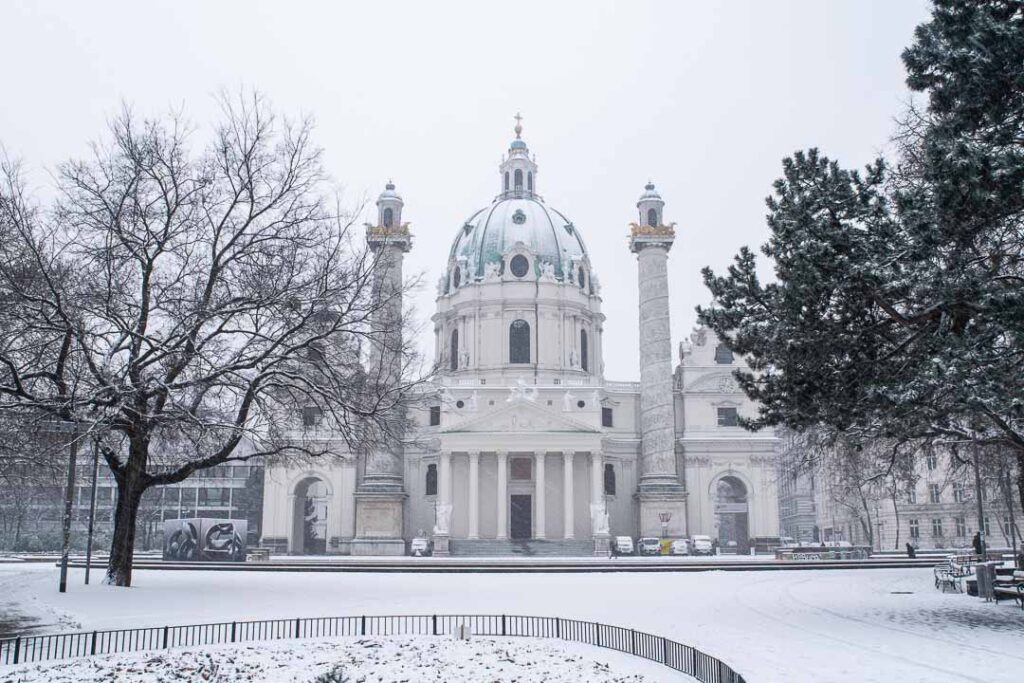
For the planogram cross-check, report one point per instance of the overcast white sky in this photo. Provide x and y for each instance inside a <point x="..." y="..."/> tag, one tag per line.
<point x="704" y="98"/>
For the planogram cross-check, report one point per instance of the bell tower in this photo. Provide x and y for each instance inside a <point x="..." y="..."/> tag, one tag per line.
<point x="518" y="170"/>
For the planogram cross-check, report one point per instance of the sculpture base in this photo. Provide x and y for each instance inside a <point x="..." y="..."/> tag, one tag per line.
<point x="441" y="546"/>
<point x="379" y="523"/>
<point x="655" y="502"/>
<point x="602" y="547"/>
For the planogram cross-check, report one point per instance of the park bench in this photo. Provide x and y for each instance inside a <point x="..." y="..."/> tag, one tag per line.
<point x="950" y="574"/>
<point x="1012" y="589"/>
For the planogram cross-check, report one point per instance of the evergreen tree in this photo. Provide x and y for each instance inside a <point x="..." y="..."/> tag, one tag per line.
<point x="898" y="305"/>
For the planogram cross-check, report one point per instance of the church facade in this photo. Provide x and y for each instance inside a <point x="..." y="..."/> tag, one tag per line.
<point x="520" y="443"/>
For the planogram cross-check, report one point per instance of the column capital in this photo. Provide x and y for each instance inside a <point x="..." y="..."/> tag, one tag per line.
<point x="501" y="454"/>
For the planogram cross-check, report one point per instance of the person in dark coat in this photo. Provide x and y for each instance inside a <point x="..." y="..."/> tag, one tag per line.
<point x="911" y="553"/>
<point x="977" y="543"/>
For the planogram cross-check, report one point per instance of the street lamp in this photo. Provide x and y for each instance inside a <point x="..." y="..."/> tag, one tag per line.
<point x="664" y="518"/>
<point x="69" y="497"/>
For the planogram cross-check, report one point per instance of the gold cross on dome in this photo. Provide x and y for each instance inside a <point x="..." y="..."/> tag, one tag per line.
<point x="519" y="126"/>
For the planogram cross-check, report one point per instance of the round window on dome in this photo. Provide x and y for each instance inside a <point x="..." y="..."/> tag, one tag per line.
<point x="519" y="217"/>
<point x="519" y="265"/>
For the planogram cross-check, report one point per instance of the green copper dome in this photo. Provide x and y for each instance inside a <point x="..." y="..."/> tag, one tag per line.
<point x="518" y="217"/>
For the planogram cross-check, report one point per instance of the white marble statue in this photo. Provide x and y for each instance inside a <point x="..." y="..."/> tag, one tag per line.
<point x="547" y="272"/>
<point x="572" y="358"/>
<point x="599" y="519"/>
<point x="492" y="272"/>
<point x="567" y="402"/>
<point x="464" y="359"/>
<point x="474" y="400"/>
<point x="443" y="525"/>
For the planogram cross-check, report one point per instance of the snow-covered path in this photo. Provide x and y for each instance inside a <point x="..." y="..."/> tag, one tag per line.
<point x="846" y="625"/>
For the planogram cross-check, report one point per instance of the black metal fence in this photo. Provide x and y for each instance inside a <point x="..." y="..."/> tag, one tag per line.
<point x="688" y="660"/>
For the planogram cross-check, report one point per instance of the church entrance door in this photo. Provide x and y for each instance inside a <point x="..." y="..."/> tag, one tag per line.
<point x="522" y="516"/>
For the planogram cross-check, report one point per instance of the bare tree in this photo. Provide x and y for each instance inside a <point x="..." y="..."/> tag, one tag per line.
<point x="188" y="309"/>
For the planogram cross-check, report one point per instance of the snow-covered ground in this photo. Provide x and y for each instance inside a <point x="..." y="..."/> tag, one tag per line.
<point x="357" y="660"/>
<point x="878" y="625"/>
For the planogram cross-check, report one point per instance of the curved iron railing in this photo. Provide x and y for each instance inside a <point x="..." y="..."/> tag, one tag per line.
<point x="683" y="658"/>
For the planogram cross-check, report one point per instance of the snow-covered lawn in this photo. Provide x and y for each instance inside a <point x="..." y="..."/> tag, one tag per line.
<point x="360" y="660"/>
<point x="878" y="625"/>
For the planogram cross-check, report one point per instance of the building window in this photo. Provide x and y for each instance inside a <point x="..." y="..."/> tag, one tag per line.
<point x="311" y="416"/>
<point x="1006" y="526"/>
<point x="936" y="527"/>
<point x="519" y="265"/>
<point x="457" y="278"/>
<point x="518" y="180"/>
<point x="582" y="276"/>
<point x="961" y="527"/>
<point x="959" y="493"/>
<point x="652" y="217"/>
<point x="728" y="417"/>
<point x="506" y="181"/>
<point x="431" y="483"/>
<point x="584" y="351"/>
<point x="609" y="479"/>
<point x="932" y="461"/>
<point x="521" y="469"/>
<point x="519" y="342"/>
<point x="723" y="355"/>
<point x="912" y="494"/>
<point x="435" y="416"/>
<point x="934" y="493"/>
<point x="985" y="528"/>
<point x="915" y="529"/>
<point x="606" y="417"/>
<point x="529" y="181"/>
<point x="453" y="361"/>
<point x="389" y="218"/>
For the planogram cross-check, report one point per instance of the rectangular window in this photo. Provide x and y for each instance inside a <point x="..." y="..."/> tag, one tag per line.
<point x="435" y="416"/>
<point x="932" y="461"/>
<point x="987" y="530"/>
<point x="727" y="417"/>
<point x="606" y="417"/>
<point x="958" y="493"/>
<point x="1006" y="526"/>
<point x="915" y="529"/>
<point x="961" y="527"/>
<point x="521" y="469"/>
<point x="934" y="492"/>
<point x="912" y="494"/>
<point x="311" y="416"/>
<point x="936" y="527"/>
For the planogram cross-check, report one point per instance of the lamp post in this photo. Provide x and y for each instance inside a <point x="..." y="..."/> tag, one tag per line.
<point x="977" y="496"/>
<point x="664" y="518"/>
<point x="92" y="509"/>
<point x="69" y="497"/>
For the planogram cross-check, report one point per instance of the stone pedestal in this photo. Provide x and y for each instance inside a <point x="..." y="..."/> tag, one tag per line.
<point x="602" y="546"/>
<point x="441" y="545"/>
<point x="653" y="504"/>
<point x="379" y="523"/>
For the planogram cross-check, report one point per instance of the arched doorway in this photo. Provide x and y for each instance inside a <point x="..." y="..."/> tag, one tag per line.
<point x="309" y="531"/>
<point x="731" y="515"/>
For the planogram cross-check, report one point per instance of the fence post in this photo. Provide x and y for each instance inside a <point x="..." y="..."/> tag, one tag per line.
<point x="166" y="629"/>
<point x="434" y="622"/>
<point x="693" y="660"/>
<point x="92" y="646"/>
<point x="298" y="625"/>
<point x="664" y="650"/>
<point x="558" y="627"/>
<point x="362" y="625"/>
<point x="599" y="643"/>
<point x="503" y="630"/>
<point x="17" y="648"/>
<point x="233" y="625"/>
<point x="632" y="642"/>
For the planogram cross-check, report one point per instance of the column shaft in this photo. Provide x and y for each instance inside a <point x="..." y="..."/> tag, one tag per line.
<point x="474" y="494"/>
<point x="567" y="495"/>
<point x="541" y="493"/>
<point x="596" y="478"/>
<point x="444" y="478"/>
<point x="502" y="495"/>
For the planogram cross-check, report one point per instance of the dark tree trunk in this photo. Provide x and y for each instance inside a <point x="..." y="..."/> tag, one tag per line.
<point x="131" y="484"/>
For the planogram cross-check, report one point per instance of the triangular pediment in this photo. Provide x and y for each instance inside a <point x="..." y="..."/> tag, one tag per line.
<point x="521" y="416"/>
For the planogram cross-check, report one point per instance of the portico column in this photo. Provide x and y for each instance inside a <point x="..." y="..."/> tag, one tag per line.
<point x="596" y="478"/>
<point x="502" y="494"/>
<point x="538" y="457"/>
<point x="474" y="494"/>
<point x="444" y="478"/>
<point x="567" y="494"/>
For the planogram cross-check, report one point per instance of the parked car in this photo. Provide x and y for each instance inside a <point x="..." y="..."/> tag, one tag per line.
<point x="649" y="545"/>
<point x="622" y="545"/>
<point x="702" y="545"/>
<point x="421" y="546"/>
<point x="680" y="546"/>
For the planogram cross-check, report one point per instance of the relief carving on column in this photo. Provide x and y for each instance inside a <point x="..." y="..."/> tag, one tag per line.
<point x="599" y="519"/>
<point x="442" y="526"/>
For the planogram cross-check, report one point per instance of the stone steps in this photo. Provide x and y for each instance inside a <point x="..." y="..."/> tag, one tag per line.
<point x="489" y="547"/>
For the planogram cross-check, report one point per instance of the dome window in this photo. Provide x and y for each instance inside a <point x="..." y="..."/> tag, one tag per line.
<point x="529" y="181"/>
<point x="519" y="217"/>
<point x="582" y="278"/>
<point x="519" y="265"/>
<point x="457" y="277"/>
<point x="506" y="181"/>
<point x="652" y="218"/>
<point x="518" y="180"/>
<point x="519" y="342"/>
<point x="584" y="351"/>
<point x="723" y="355"/>
<point x="389" y="218"/>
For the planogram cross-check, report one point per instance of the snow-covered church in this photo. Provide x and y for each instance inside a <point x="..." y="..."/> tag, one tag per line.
<point x="522" y="445"/>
